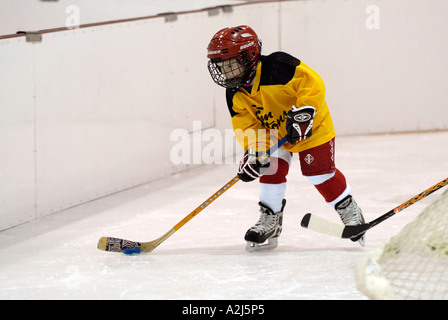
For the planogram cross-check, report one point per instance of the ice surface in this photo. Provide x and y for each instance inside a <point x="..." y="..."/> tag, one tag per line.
<point x="56" y="257"/>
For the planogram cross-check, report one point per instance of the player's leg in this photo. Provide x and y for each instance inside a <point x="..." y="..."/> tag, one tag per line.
<point x="318" y="165"/>
<point x="272" y="203"/>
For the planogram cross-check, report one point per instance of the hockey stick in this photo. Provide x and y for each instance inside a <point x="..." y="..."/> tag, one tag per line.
<point x="310" y="221"/>
<point x="133" y="247"/>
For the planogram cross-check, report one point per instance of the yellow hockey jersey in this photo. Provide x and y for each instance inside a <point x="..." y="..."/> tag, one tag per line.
<point x="280" y="82"/>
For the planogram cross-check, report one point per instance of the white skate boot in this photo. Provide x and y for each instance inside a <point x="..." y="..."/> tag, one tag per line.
<point x="351" y="215"/>
<point x="268" y="227"/>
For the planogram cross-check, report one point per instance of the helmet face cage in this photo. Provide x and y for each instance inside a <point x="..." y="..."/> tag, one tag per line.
<point x="234" y="72"/>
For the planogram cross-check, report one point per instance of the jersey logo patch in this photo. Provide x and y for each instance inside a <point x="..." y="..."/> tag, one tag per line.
<point x="309" y="158"/>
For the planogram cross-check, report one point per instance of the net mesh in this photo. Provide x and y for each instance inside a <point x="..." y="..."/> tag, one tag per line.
<point x="412" y="265"/>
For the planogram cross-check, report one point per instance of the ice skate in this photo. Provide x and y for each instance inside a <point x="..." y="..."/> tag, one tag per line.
<point x="351" y="215"/>
<point x="268" y="228"/>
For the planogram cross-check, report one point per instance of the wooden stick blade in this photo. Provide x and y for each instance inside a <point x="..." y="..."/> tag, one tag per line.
<point x="112" y="244"/>
<point x="117" y="245"/>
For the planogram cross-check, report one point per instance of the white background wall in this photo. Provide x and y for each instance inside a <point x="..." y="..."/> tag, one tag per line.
<point x="31" y="15"/>
<point x="89" y="112"/>
<point x="378" y="80"/>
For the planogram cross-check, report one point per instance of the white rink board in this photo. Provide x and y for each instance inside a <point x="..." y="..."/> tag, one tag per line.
<point x="17" y="166"/>
<point x="115" y="134"/>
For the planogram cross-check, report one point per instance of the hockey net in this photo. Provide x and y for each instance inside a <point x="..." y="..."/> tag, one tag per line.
<point x="414" y="264"/>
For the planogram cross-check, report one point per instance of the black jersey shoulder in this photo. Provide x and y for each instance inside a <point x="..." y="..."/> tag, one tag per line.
<point x="278" y="68"/>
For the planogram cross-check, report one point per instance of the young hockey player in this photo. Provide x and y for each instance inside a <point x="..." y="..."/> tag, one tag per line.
<point x="278" y="92"/>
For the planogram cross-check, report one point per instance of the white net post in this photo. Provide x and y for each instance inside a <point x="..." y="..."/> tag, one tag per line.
<point x="412" y="265"/>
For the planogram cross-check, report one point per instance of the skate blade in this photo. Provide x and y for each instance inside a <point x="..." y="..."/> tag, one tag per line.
<point x="361" y="240"/>
<point x="252" y="246"/>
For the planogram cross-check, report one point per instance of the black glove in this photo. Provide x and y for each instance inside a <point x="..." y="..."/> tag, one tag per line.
<point x="299" y="124"/>
<point x="250" y="168"/>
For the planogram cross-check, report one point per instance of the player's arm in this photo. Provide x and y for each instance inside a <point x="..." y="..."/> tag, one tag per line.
<point x="253" y="138"/>
<point x="310" y="96"/>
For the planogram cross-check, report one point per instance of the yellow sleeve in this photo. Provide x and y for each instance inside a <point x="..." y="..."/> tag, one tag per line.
<point x="310" y="90"/>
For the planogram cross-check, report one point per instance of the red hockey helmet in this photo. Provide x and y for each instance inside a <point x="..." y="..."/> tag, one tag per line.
<point x="234" y="54"/>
